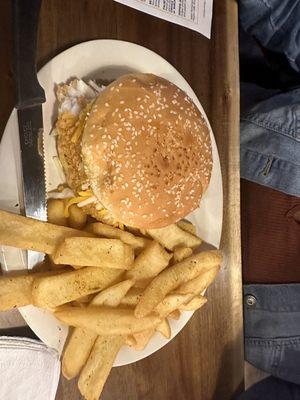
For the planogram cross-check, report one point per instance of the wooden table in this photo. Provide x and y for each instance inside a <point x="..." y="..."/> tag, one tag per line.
<point x="205" y="361"/>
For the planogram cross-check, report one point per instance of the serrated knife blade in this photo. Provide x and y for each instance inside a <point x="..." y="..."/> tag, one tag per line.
<point x="30" y="96"/>
<point x="32" y="159"/>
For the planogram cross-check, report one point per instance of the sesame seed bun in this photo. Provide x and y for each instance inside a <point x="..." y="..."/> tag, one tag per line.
<point x="146" y="151"/>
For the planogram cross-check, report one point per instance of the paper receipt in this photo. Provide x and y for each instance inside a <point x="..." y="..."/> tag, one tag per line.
<point x="193" y="14"/>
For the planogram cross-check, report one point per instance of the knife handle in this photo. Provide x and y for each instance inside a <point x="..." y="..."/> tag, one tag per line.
<point x="25" y="24"/>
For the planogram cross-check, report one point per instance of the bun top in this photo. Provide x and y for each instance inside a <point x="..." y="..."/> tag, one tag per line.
<point x="146" y="150"/>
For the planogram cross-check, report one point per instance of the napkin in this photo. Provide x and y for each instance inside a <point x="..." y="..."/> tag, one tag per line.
<point x="29" y="370"/>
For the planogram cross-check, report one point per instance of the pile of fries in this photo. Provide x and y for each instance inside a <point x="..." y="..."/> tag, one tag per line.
<point x="113" y="287"/>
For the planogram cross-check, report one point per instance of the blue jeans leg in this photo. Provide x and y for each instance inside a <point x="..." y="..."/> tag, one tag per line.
<point x="272" y="389"/>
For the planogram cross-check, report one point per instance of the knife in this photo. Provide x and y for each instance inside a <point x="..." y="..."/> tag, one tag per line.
<point x="29" y="99"/>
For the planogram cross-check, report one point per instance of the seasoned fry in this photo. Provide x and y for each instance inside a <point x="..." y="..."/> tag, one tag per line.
<point x="108" y="231"/>
<point x="77" y="218"/>
<point x="51" y="292"/>
<point x="113" y="295"/>
<point x="181" y="253"/>
<point x="171" y="303"/>
<point x="164" y="328"/>
<point x="132" y="298"/>
<point x="174" y="315"/>
<point x="31" y="234"/>
<point x="106" y="320"/>
<point x="16" y="291"/>
<point x="194" y="304"/>
<point x="82" y="340"/>
<point x="137" y="232"/>
<point x="109" y="298"/>
<point x="142" y="339"/>
<point x="130" y="341"/>
<point x="77" y="351"/>
<point x="187" y="226"/>
<point x="95" y="252"/>
<point x="200" y="283"/>
<point x="55" y="211"/>
<point x="85" y="299"/>
<point x="98" y="366"/>
<point x="150" y="262"/>
<point x="173" y="277"/>
<point x="172" y="236"/>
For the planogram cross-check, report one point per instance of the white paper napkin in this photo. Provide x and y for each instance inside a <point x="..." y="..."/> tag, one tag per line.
<point x="29" y="370"/>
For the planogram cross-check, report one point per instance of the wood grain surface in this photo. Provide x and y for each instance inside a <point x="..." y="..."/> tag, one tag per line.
<point x="205" y="361"/>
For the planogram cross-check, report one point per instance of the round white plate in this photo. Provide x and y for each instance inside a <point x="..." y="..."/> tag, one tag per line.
<point x="98" y="59"/>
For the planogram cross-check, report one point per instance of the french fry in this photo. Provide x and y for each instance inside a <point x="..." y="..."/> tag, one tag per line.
<point x="53" y="291"/>
<point x="174" y="276"/>
<point x="110" y="232"/>
<point x="172" y="236"/>
<point x="171" y="303"/>
<point x="194" y="304"/>
<point x="16" y="291"/>
<point x="142" y="339"/>
<point x="138" y="232"/>
<point x="130" y="341"/>
<point x="55" y="211"/>
<point x="77" y="218"/>
<point x="174" y="303"/>
<point x="95" y="252"/>
<point x="132" y="298"/>
<point x="174" y="315"/>
<point x="95" y="373"/>
<point x="187" y="226"/>
<point x="82" y="340"/>
<point x="85" y="299"/>
<point x="180" y="253"/>
<point x="150" y="262"/>
<point x="164" y="328"/>
<point x="31" y="234"/>
<point x="77" y="351"/>
<point x="113" y="295"/>
<point x="106" y="320"/>
<point x="200" y="283"/>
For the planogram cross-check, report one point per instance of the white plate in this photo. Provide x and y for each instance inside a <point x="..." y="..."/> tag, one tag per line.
<point x="100" y="59"/>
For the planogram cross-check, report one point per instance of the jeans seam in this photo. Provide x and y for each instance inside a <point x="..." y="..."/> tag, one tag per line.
<point x="271" y="127"/>
<point x="273" y="342"/>
<point x="269" y="155"/>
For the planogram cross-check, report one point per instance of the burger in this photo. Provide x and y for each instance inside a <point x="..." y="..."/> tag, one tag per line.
<point x="136" y="152"/>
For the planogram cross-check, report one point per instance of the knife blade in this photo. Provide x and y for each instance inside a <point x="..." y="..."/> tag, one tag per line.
<point x="29" y="98"/>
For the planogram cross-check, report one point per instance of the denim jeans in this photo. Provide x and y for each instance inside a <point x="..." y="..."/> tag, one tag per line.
<point x="270" y="127"/>
<point x="272" y="329"/>
<point x="272" y="389"/>
<point x="270" y="142"/>
<point x="270" y="156"/>
<point x="275" y="24"/>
